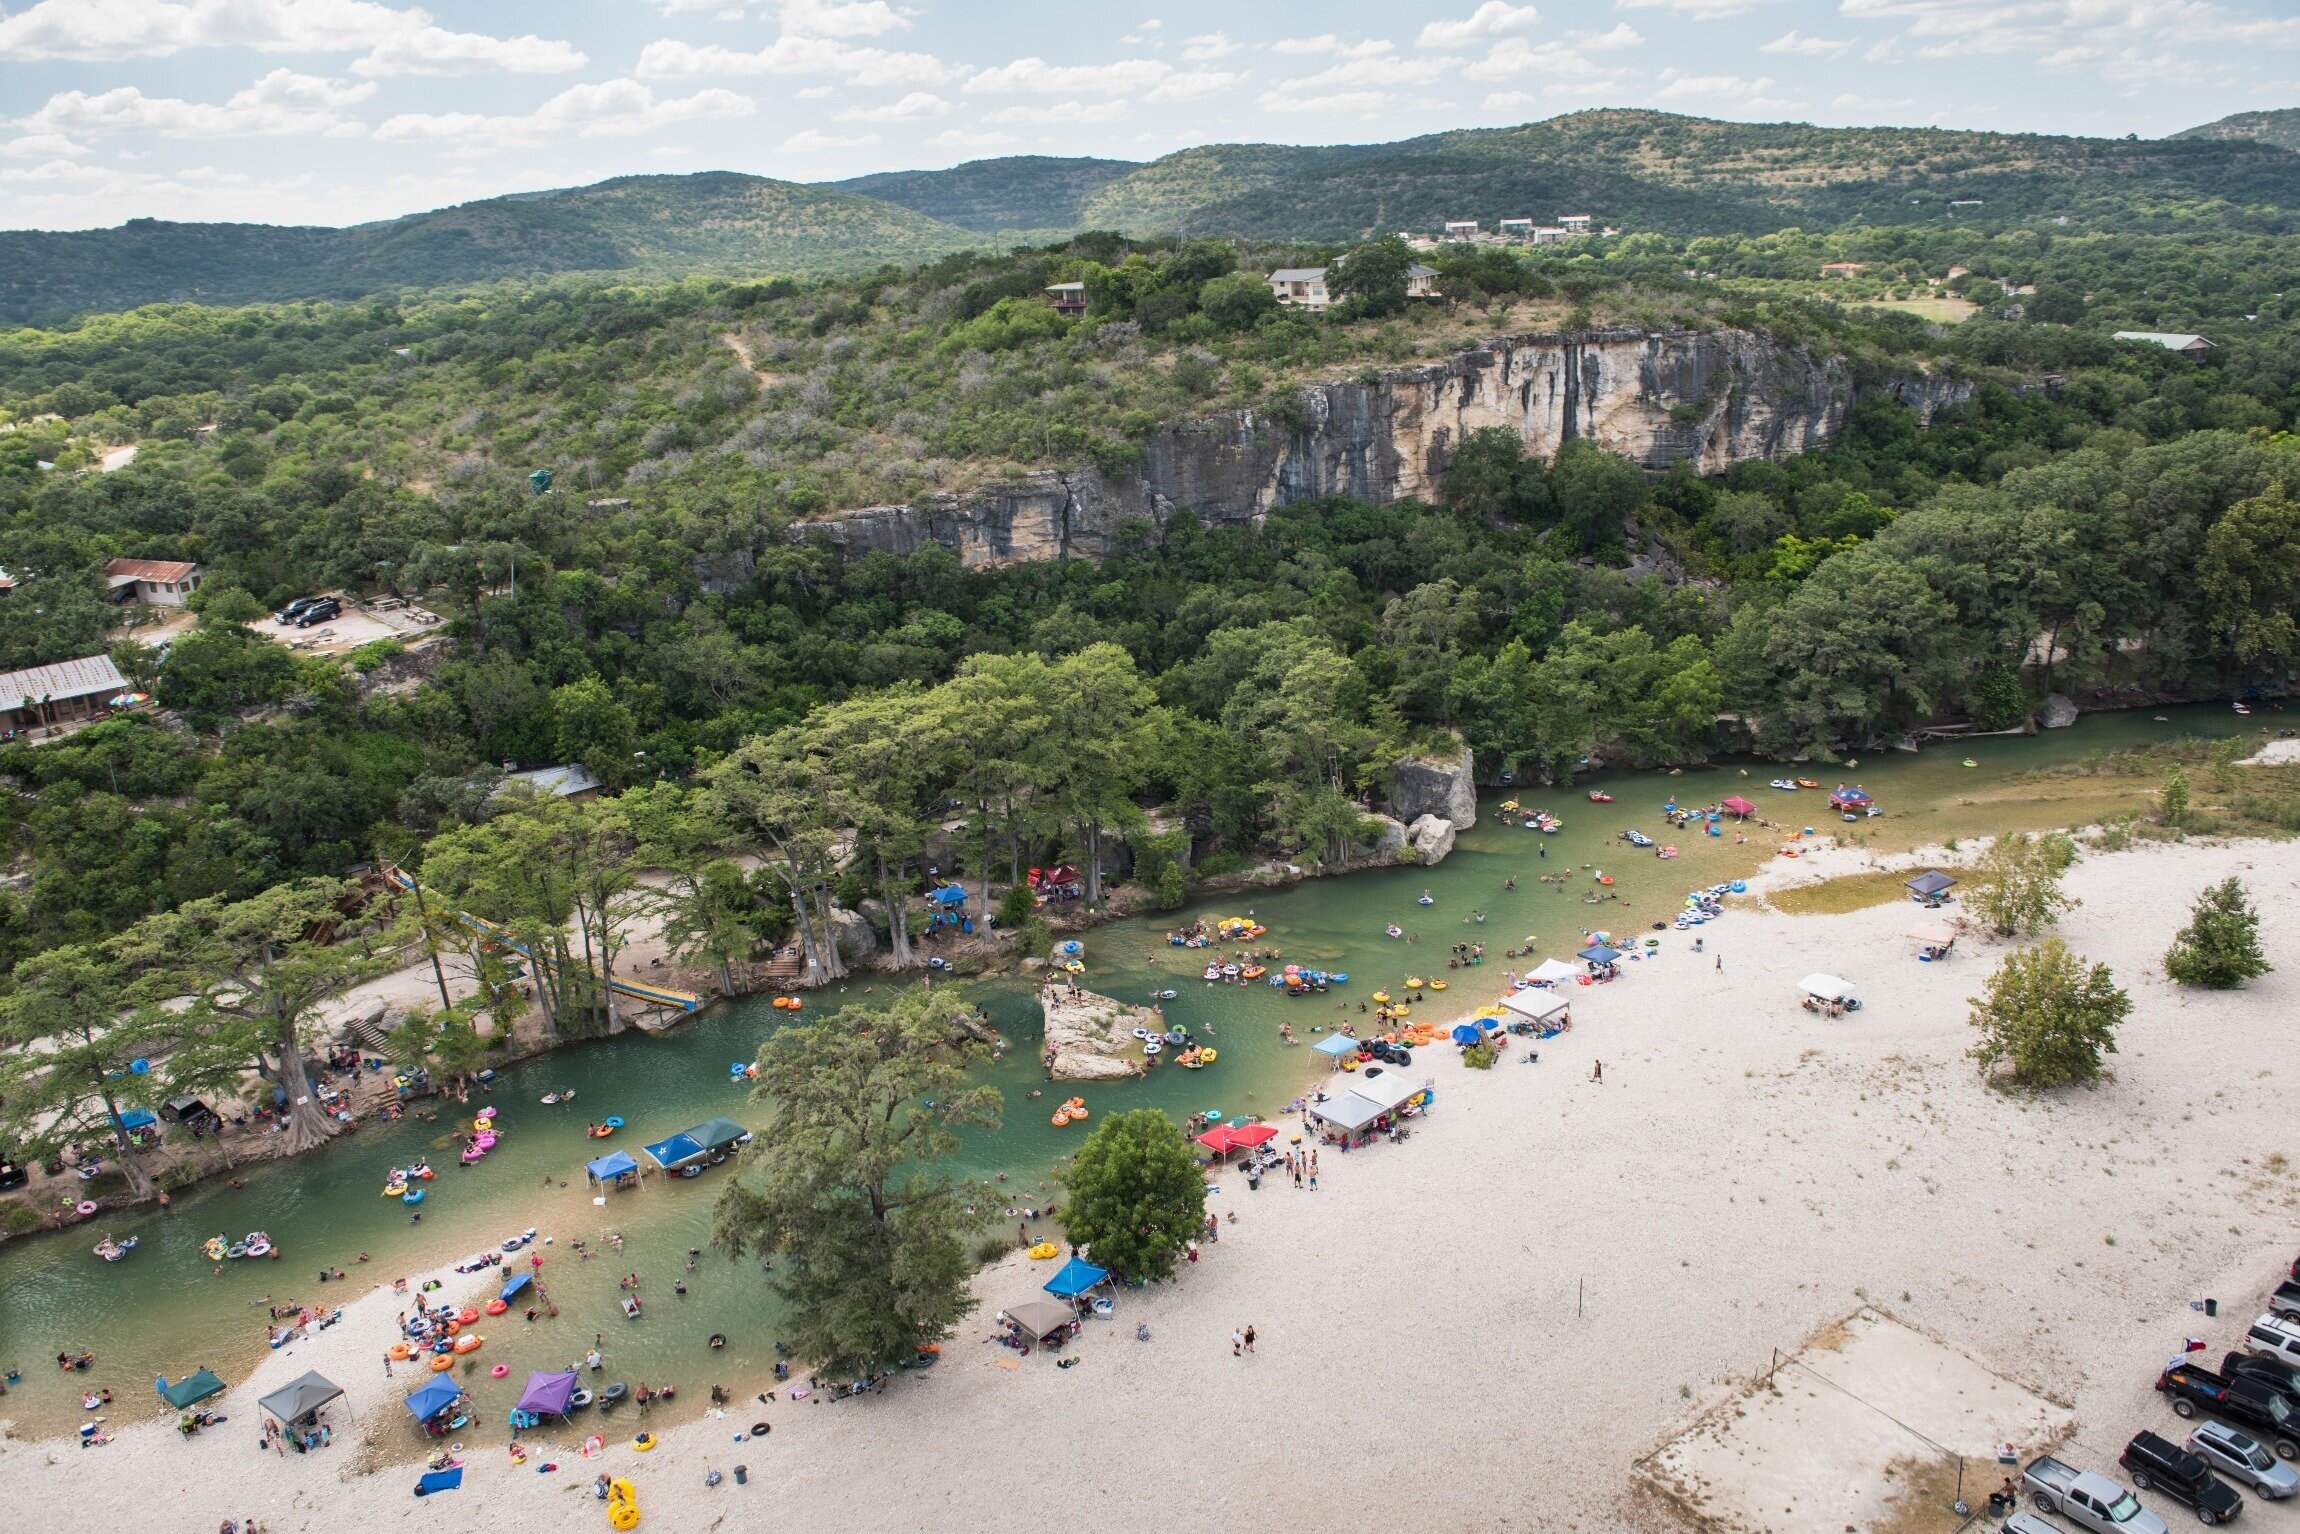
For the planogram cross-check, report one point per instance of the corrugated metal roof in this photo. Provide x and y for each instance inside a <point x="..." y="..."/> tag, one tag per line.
<point x="1298" y="274"/>
<point x="2174" y="340"/>
<point x="555" y="782"/>
<point x="82" y="678"/>
<point x="162" y="570"/>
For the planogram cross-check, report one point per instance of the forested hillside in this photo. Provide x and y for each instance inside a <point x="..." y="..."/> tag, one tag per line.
<point x="654" y="226"/>
<point x="1017" y="192"/>
<point x="2128" y="504"/>
<point x="2280" y="127"/>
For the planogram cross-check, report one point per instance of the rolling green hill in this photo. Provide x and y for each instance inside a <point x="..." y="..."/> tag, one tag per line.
<point x="1679" y="175"/>
<point x="647" y="226"/>
<point x="1019" y="192"/>
<point x="2280" y="127"/>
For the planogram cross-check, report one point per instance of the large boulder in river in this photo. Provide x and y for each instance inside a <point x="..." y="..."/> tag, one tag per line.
<point x="1431" y="838"/>
<point x="1385" y="843"/>
<point x="2057" y="712"/>
<point x="1447" y="789"/>
<point x="1091" y="1037"/>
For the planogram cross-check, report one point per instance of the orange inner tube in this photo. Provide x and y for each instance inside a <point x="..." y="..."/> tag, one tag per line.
<point x="468" y="1316"/>
<point x="468" y="1344"/>
<point x="497" y="1307"/>
<point x="443" y="1363"/>
<point x="400" y="1352"/>
<point x="453" y="1327"/>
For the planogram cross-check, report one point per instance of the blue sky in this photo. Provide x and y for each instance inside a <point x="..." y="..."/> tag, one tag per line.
<point x="339" y="111"/>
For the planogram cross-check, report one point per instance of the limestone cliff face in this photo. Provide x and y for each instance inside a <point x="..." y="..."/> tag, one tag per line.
<point x="1708" y="398"/>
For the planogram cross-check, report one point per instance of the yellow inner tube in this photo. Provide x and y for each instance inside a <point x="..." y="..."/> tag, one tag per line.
<point x="1381" y="996"/>
<point x="644" y="1442"/>
<point x="1044" y="1250"/>
<point x="1208" y="1055"/>
<point x="1437" y="985"/>
<point x="1415" y="982"/>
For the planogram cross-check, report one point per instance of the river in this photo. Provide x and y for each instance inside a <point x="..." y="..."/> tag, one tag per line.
<point x="165" y="1310"/>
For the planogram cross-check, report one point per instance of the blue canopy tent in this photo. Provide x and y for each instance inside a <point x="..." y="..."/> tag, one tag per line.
<point x="1336" y="1045"/>
<point x="439" y="1480"/>
<point x="1077" y="1276"/>
<point x="433" y="1396"/>
<point x="949" y="894"/>
<point x="612" y="1168"/>
<point x="1599" y="954"/>
<point x="136" y="1118"/>
<point x="675" y="1152"/>
<point x="189" y="1390"/>
<point x="513" y="1285"/>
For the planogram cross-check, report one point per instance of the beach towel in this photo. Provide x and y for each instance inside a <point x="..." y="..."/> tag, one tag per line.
<point x="439" y="1480"/>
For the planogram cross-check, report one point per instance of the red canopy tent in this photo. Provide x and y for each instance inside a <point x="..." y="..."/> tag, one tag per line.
<point x="1221" y="1139"/>
<point x="1740" y="806"/>
<point x="1251" y="1135"/>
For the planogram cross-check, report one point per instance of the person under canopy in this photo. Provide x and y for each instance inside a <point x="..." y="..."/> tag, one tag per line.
<point x="300" y="1400"/>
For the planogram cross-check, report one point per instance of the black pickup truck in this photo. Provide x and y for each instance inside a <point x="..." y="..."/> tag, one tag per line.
<point x="2249" y="1403"/>
<point x="2280" y="1377"/>
<point x="2160" y="1465"/>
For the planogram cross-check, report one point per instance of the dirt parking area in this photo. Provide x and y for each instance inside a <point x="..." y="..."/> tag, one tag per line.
<point x="353" y="627"/>
<point x="1867" y="1426"/>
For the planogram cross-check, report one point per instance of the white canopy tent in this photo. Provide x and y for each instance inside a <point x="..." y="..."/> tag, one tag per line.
<point x="1826" y="988"/>
<point x="1933" y="934"/>
<point x="1348" y="1110"/>
<point x="1536" y="1006"/>
<point x="1551" y="971"/>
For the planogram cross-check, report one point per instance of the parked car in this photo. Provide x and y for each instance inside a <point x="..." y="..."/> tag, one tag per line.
<point x="2160" y="1465"/>
<point x="2286" y="1300"/>
<point x="325" y="610"/>
<point x="2276" y="1374"/>
<point x="293" y="610"/>
<point x="2027" y="1523"/>
<point x="2241" y="1457"/>
<point x="2087" y="1500"/>
<point x="2272" y="1336"/>
<point x="2248" y="1403"/>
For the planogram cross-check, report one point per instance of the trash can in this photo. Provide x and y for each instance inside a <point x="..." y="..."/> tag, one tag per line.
<point x="742" y="1475"/>
<point x="2212" y="1307"/>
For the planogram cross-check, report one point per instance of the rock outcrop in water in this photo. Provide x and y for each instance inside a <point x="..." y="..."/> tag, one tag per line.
<point x="1420" y="786"/>
<point x="1709" y="398"/>
<point x="1091" y="1037"/>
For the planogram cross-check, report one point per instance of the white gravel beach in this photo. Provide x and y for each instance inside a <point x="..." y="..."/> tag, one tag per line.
<point x="1487" y="1326"/>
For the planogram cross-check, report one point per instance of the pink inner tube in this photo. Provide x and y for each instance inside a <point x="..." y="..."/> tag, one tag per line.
<point x="500" y="1370"/>
<point x="86" y="1207"/>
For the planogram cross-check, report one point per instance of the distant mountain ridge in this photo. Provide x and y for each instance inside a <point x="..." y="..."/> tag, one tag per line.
<point x="2280" y="127"/>
<point x="1632" y="169"/>
<point x="651" y="226"/>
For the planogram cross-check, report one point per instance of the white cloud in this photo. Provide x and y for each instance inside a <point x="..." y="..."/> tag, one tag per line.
<point x="1798" y="43"/>
<point x="607" y="109"/>
<point x="282" y="102"/>
<point x="1191" y="84"/>
<point x="832" y="18"/>
<point x="1327" y="42"/>
<point x="1376" y="69"/>
<point x="912" y="108"/>
<point x="1562" y="65"/>
<point x="1207" y="46"/>
<point x="1680" y="86"/>
<point x="1491" y="19"/>
<point x="1337" y="101"/>
<point x="1698" y="10"/>
<point x="1036" y="76"/>
<point x="34" y="145"/>
<point x="814" y="139"/>
<point x="1060" y="112"/>
<point x="1509" y="101"/>
<point x="394" y="40"/>
<point x="671" y="59"/>
<point x="968" y="138"/>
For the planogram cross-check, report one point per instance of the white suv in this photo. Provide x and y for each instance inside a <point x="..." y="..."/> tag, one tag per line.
<point x="2274" y="1336"/>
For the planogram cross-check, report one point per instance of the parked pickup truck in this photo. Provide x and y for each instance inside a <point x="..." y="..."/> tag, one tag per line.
<point x="2087" y="1500"/>
<point x="2286" y="1300"/>
<point x="2249" y="1403"/>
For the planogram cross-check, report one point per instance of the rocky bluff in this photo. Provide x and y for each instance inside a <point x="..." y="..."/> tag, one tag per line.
<point x="1709" y="398"/>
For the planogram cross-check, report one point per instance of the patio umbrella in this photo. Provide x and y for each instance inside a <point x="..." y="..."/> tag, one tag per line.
<point x="1465" y="1033"/>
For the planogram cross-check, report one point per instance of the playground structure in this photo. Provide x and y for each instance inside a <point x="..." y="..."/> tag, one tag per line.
<point x="638" y="990"/>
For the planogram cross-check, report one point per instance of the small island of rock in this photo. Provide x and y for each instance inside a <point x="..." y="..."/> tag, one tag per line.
<point x="1091" y="1037"/>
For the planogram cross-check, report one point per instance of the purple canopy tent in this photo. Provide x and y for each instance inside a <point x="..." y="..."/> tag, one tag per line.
<point x="547" y="1394"/>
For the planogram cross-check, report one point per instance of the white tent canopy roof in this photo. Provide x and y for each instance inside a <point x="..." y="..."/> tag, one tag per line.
<point x="1349" y="1110"/>
<point x="1387" y="1090"/>
<point x="1936" y="932"/>
<point x="1539" y="1006"/>
<point x="1554" y="970"/>
<point x="1827" y="987"/>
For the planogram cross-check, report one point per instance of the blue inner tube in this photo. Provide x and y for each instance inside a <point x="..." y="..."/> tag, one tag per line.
<point x="612" y="1123"/>
<point x="412" y="1196"/>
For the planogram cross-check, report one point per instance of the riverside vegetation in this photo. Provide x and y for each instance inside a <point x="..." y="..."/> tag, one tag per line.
<point x="2097" y="517"/>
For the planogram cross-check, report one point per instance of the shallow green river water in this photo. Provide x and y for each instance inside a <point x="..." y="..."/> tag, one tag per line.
<point x="165" y="1309"/>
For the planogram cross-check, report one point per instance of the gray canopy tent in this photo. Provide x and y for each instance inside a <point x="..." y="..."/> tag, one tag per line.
<point x="298" y="1402"/>
<point x="1039" y="1317"/>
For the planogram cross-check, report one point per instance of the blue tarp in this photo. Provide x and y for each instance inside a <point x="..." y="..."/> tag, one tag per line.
<point x="433" y="1396"/>
<point x="513" y="1285"/>
<point x="670" y="1153"/>
<point x="608" y="1168"/>
<point x="949" y="894"/>
<point x="439" y="1480"/>
<point x="1599" y="954"/>
<point x="1336" y="1045"/>
<point x="137" y="1118"/>
<point x="1077" y="1276"/>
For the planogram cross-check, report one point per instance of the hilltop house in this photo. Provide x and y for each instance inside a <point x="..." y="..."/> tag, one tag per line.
<point x="1069" y="297"/>
<point x="1302" y="286"/>
<point x="1517" y="228"/>
<point x="154" y="582"/>
<point x="1574" y="223"/>
<point x="56" y="694"/>
<point x="2171" y="341"/>
<point x="1461" y="228"/>
<point x="1421" y="281"/>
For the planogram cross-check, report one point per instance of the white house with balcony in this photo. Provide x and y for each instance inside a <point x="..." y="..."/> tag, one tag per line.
<point x="1302" y="287"/>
